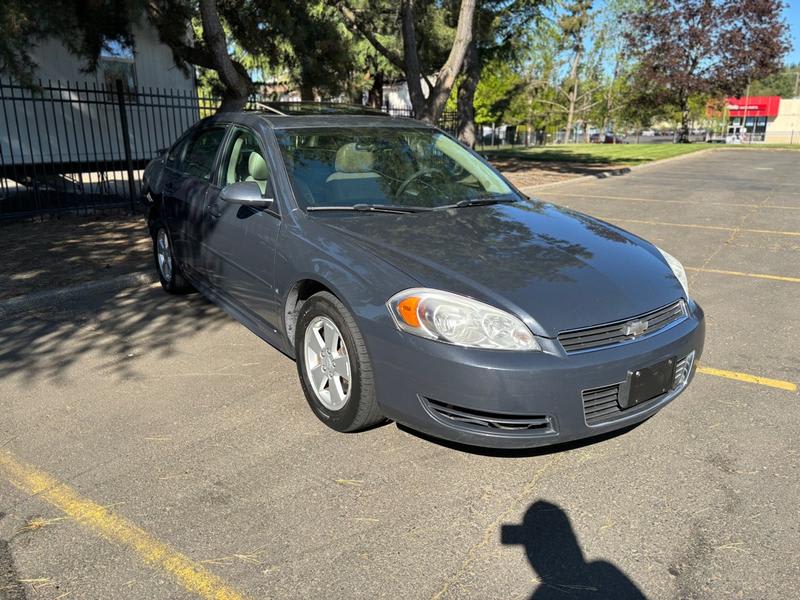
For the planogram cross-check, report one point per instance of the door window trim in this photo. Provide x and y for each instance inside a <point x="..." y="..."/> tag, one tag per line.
<point x="216" y="179"/>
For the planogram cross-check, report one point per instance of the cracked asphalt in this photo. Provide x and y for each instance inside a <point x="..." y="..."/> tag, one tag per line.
<point x="139" y="430"/>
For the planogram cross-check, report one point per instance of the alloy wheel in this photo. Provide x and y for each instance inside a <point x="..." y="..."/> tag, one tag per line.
<point x="327" y="363"/>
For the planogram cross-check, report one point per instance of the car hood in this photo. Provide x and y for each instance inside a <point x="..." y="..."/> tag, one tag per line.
<point x="555" y="268"/>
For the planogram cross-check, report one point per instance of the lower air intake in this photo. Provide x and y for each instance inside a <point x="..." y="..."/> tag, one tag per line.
<point x="478" y="420"/>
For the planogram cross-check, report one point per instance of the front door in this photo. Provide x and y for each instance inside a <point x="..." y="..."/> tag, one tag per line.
<point x="240" y="249"/>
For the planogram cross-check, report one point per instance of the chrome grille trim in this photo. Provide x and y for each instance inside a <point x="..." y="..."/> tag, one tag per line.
<point x="586" y="339"/>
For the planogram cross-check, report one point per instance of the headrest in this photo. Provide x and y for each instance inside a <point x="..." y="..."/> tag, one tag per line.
<point x="257" y="167"/>
<point x="349" y="159"/>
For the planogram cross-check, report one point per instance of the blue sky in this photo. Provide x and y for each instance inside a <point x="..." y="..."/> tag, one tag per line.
<point x="792" y="16"/>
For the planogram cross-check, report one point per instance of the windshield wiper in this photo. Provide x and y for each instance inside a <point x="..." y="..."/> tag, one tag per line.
<point x="477" y="202"/>
<point x="383" y="208"/>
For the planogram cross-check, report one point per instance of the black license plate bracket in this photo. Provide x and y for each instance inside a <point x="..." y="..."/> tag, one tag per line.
<point x="648" y="383"/>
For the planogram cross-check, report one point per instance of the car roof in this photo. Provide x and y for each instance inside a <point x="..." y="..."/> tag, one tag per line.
<point x="336" y="120"/>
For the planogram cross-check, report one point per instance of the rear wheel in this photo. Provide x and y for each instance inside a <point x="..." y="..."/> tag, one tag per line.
<point x="333" y="365"/>
<point x="169" y="273"/>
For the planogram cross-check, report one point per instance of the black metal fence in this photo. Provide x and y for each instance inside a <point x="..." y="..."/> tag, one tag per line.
<point x="82" y="148"/>
<point x="67" y="147"/>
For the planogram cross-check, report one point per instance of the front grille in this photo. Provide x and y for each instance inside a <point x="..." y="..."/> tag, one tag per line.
<point x="601" y="404"/>
<point x="625" y="330"/>
<point x="478" y="420"/>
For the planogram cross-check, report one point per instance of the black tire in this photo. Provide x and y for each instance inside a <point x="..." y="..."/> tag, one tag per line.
<point x="360" y="410"/>
<point x="173" y="281"/>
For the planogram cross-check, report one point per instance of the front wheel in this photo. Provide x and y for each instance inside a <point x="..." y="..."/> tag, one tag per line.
<point x="333" y="365"/>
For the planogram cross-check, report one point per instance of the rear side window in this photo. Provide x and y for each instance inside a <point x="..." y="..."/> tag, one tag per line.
<point x="198" y="157"/>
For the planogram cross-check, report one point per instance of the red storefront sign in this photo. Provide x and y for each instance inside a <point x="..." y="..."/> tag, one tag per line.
<point x="754" y="106"/>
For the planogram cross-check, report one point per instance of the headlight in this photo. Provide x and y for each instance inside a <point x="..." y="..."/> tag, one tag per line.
<point x="458" y="320"/>
<point x="677" y="270"/>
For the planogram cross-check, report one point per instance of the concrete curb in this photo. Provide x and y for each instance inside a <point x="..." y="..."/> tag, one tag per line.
<point x="616" y="172"/>
<point x="38" y="300"/>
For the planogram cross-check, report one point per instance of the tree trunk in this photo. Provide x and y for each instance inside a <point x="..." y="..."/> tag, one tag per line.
<point x="233" y="76"/>
<point x="683" y="134"/>
<point x="430" y="109"/>
<point x="573" y="93"/>
<point x="610" y="98"/>
<point x="375" y="98"/>
<point x="306" y="90"/>
<point x="466" y="96"/>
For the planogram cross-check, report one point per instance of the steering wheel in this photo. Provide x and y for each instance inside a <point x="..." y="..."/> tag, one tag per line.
<point x="414" y="176"/>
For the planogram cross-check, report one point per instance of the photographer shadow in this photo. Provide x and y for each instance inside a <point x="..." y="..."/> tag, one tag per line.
<point x="556" y="557"/>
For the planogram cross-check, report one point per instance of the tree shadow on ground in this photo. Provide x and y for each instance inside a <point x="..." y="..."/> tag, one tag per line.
<point x="557" y="558"/>
<point x="45" y="255"/>
<point x="115" y="326"/>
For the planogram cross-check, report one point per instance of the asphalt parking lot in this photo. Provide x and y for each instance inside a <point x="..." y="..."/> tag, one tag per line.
<point x="151" y="447"/>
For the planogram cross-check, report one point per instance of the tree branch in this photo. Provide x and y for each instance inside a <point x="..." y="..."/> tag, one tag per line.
<point x="363" y="28"/>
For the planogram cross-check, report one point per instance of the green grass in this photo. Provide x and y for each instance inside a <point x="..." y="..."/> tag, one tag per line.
<point x="617" y="154"/>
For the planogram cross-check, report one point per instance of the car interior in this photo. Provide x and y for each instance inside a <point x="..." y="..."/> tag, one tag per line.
<point x="246" y="163"/>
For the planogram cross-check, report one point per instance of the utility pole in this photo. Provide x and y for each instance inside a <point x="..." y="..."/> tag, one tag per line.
<point x="797" y="84"/>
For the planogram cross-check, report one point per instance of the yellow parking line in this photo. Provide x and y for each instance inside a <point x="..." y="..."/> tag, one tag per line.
<point x="696" y="226"/>
<point x="775" y="383"/>
<point x="742" y="274"/>
<point x="190" y="574"/>
<point x="664" y="201"/>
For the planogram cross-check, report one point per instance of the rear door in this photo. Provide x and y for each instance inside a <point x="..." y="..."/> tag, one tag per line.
<point x="195" y="165"/>
<point x="239" y="250"/>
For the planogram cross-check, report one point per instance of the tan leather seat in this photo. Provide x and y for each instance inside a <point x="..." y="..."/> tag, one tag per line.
<point x="258" y="171"/>
<point x="353" y="163"/>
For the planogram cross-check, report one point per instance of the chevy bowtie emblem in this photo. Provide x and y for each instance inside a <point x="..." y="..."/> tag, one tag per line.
<point x="635" y="328"/>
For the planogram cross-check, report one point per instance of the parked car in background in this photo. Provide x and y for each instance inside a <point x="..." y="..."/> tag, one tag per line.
<point x="411" y="281"/>
<point x="606" y="138"/>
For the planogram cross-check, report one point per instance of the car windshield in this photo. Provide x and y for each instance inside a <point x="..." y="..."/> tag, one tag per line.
<point x="385" y="166"/>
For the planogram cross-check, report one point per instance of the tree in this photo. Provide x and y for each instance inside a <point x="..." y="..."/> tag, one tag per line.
<point x="714" y="47"/>
<point x="785" y="84"/>
<point x="426" y="108"/>
<point x="501" y="34"/>
<point x="564" y="79"/>
<point x="573" y="26"/>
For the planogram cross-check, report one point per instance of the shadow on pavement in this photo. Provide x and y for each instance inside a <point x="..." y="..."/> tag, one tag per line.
<point x="556" y="556"/>
<point x="10" y="586"/>
<point x="115" y="326"/>
<point x="40" y="256"/>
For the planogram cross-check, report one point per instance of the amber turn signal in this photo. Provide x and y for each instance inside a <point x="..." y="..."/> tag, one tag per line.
<point x="407" y="310"/>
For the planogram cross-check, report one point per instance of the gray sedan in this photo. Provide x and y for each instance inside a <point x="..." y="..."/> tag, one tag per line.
<point x="410" y="281"/>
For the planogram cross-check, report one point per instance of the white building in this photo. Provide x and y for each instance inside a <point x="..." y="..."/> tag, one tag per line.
<point x="76" y="116"/>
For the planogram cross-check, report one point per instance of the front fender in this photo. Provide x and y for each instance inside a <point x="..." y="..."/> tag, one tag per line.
<point x="362" y="281"/>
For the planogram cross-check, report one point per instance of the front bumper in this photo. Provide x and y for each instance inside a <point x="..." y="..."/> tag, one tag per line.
<point x="517" y="399"/>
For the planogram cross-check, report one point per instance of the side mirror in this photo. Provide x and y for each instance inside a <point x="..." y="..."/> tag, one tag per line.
<point x="246" y="193"/>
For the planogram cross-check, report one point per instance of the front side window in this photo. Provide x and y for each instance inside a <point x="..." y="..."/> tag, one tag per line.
<point x="413" y="166"/>
<point x="244" y="161"/>
<point x="198" y="157"/>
